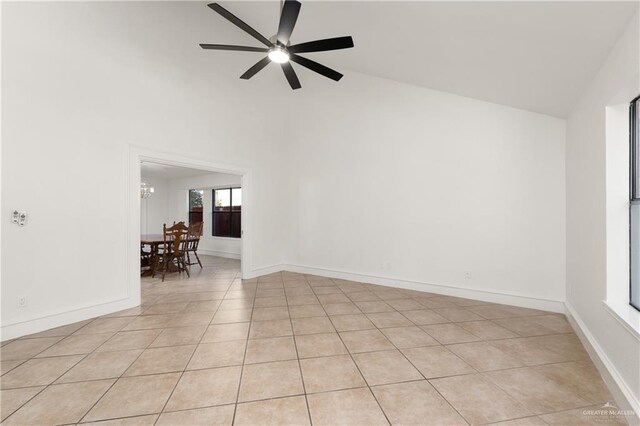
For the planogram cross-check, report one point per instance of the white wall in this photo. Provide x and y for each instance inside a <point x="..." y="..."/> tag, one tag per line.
<point x="587" y="215"/>
<point x="111" y="75"/>
<point x="471" y="186"/>
<point x="153" y="210"/>
<point x="407" y="183"/>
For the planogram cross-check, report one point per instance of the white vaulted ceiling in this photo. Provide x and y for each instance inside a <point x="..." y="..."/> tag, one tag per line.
<point x="537" y="56"/>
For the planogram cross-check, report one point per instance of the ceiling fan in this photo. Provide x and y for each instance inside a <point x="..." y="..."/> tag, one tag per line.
<point x="278" y="49"/>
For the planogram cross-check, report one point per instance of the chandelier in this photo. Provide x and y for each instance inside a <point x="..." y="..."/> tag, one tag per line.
<point x="145" y="190"/>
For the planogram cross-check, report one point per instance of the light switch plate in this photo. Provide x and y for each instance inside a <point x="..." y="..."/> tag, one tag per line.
<point x="19" y="217"/>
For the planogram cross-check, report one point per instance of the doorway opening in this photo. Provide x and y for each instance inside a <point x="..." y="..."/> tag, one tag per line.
<point x="211" y="202"/>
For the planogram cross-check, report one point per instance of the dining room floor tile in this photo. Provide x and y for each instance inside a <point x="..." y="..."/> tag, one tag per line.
<point x="179" y="336"/>
<point x="273" y="328"/>
<point x="12" y="399"/>
<point x="60" y="404"/>
<point x="279" y="411"/>
<point x="379" y="368"/>
<point x="313" y="325"/>
<point x="414" y="403"/>
<point x="315" y="345"/>
<point x="365" y="341"/>
<point x="330" y="373"/>
<point x="270" y="380"/>
<point x="290" y="348"/>
<point x="219" y="354"/>
<point x="134" y="396"/>
<point x="270" y="349"/>
<point x="161" y="360"/>
<point x="38" y="372"/>
<point x="478" y="400"/>
<point x="205" y="388"/>
<point x="211" y="416"/>
<point x="346" y="407"/>
<point x="101" y="365"/>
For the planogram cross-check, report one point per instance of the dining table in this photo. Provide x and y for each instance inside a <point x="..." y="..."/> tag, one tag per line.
<point x="154" y="241"/>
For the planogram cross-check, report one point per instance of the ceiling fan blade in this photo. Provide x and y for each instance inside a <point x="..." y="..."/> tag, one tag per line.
<point x="314" y="66"/>
<point x="292" y="78"/>
<point x="232" y="47"/>
<point x="254" y="69"/>
<point x="323" y="45"/>
<point x="240" y="23"/>
<point x="288" y="19"/>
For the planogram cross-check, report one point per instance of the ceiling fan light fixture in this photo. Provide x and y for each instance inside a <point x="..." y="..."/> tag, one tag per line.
<point x="278" y="49"/>
<point x="278" y="55"/>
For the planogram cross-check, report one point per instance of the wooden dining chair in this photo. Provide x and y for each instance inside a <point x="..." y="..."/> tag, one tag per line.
<point x="193" y="240"/>
<point x="172" y="252"/>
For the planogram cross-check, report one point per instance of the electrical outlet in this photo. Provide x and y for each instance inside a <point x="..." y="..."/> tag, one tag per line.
<point x="21" y="301"/>
<point x="467" y="275"/>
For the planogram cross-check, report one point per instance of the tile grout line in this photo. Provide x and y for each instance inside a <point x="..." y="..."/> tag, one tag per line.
<point x="192" y="354"/>
<point x="244" y="357"/>
<point x="449" y="321"/>
<point x="53" y="382"/>
<point x="114" y="381"/>
<point x="423" y="376"/>
<point x="158" y="300"/>
<point x="44" y="388"/>
<point x="472" y="367"/>
<point x="122" y="374"/>
<point x="358" y="367"/>
<point x="482" y="373"/>
<point x="532" y="366"/>
<point x="295" y="344"/>
<point x="84" y="356"/>
<point x="444" y="346"/>
<point x="418" y="370"/>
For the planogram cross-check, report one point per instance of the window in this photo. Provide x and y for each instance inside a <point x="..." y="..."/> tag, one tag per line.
<point x="227" y="211"/>
<point x="634" y="195"/>
<point x="195" y="205"/>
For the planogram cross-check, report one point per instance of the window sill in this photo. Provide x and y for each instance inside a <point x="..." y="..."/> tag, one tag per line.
<point x="223" y="238"/>
<point x="626" y="315"/>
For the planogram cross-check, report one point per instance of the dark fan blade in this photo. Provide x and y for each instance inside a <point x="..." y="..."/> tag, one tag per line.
<point x="288" y="20"/>
<point x="292" y="78"/>
<point x="322" y="45"/>
<point x="314" y="66"/>
<point x="240" y="23"/>
<point x="231" y="47"/>
<point x="254" y="69"/>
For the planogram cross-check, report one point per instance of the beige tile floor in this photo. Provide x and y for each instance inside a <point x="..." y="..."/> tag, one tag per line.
<point x="296" y="349"/>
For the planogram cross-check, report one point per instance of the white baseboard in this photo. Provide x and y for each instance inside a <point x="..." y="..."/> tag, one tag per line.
<point x="447" y="290"/>
<point x="225" y="254"/>
<point x="55" y="320"/>
<point x="619" y="389"/>
<point x="46" y="322"/>
<point x="266" y="270"/>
